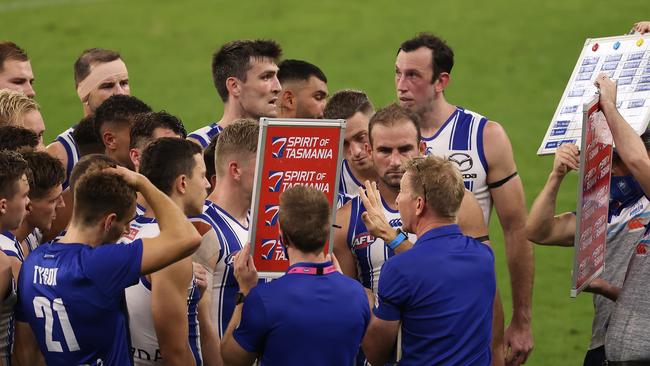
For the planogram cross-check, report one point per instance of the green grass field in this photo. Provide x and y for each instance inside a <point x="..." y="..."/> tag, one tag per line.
<point x="513" y="59"/>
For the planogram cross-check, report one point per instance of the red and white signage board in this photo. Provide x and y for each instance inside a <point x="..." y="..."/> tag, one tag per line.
<point x="593" y="197"/>
<point x="290" y="152"/>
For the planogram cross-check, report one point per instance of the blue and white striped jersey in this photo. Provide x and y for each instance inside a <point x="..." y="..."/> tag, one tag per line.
<point x="205" y="134"/>
<point x="71" y="150"/>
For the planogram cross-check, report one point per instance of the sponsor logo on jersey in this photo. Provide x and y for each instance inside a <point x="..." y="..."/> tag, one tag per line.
<point x="395" y="222"/>
<point x="133" y="232"/>
<point x="271" y="214"/>
<point x="275" y="180"/>
<point x="464" y="161"/>
<point x="362" y="240"/>
<point x="230" y="258"/>
<point x="277" y="146"/>
<point x="642" y="249"/>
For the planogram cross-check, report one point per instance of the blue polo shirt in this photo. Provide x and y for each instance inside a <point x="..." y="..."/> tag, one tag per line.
<point x="305" y="319"/>
<point x="442" y="290"/>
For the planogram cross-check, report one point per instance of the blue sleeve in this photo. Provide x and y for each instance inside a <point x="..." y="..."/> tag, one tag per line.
<point x="392" y="294"/>
<point x="254" y="326"/>
<point x="113" y="267"/>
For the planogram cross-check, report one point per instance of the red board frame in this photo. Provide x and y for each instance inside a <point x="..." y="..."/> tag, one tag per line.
<point x="290" y="152"/>
<point x="593" y="197"/>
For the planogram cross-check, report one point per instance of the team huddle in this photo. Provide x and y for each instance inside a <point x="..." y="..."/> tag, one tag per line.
<point x="125" y="241"/>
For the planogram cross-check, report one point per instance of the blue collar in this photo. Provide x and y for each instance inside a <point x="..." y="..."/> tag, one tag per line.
<point x="438" y="232"/>
<point x="310" y="264"/>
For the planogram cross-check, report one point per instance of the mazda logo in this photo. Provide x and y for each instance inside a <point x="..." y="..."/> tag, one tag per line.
<point x="463" y="161"/>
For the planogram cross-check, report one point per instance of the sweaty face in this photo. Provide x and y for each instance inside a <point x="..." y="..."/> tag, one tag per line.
<point x="16" y="205"/>
<point x="311" y="98"/>
<point x="197" y="188"/>
<point x="259" y="93"/>
<point x="392" y="147"/>
<point x="114" y="85"/>
<point x="413" y="73"/>
<point x="43" y="210"/>
<point x="17" y="75"/>
<point x="356" y="141"/>
<point x="33" y="121"/>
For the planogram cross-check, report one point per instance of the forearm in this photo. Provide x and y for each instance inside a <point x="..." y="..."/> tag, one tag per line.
<point x="376" y="345"/>
<point x="542" y="213"/>
<point x="26" y="351"/>
<point x="498" y="353"/>
<point x="210" y="344"/>
<point x="520" y="257"/>
<point x="228" y="341"/>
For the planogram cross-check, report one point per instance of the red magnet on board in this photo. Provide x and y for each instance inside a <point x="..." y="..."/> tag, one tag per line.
<point x="595" y="47"/>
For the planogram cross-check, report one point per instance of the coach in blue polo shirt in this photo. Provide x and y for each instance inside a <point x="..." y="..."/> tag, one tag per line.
<point x="313" y="315"/>
<point x="440" y="291"/>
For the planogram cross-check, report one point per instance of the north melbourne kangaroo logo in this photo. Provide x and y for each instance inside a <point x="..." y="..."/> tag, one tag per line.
<point x="275" y="180"/>
<point x="277" y="146"/>
<point x="463" y="161"/>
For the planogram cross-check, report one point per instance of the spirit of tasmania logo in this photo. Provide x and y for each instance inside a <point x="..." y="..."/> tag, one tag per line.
<point x="275" y="180"/>
<point x="277" y="146"/>
<point x="271" y="214"/>
<point x="272" y="250"/>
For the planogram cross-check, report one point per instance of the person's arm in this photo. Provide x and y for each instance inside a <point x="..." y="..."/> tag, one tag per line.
<point x="543" y="226"/>
<point x="232" y="352"/>
<point x="210" y="343"/>
<point x="341" y="249"/>
<point x="628" y="144"/>
<point x="642" y="27"/>
<point x="470" y="218"/>
<point x="177" y="239"/>
<point x="604" y="288"/>
<point x="510" y="205"/>
<point x="380" y="339"/>
<point x="26" y="351"/>
<point x="498" y="347"/>
<point x="375" y="220"/>
<point x="169" y="291"/>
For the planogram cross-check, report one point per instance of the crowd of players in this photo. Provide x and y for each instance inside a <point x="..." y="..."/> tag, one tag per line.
<point x="125" y="240"/>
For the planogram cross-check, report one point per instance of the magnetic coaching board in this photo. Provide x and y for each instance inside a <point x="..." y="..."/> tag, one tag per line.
<point x="626" y="59"/>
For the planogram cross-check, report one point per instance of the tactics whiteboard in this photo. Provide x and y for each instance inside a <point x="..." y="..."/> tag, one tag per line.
<point x="626" y="59"/>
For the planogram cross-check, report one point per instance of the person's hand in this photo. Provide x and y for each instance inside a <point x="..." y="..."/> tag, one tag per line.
<point x="200" y="276"/>
<point x="642" y="27"/>
<point x="132" y="178"/>
<point x="245" y="272"/>
<point x="373" y="217"/>
<point x="567" y="158"/>
<point x="597" y="286"/>
<point x="607" y="89"/>
<point x="518" y="340"/>
<point x="335" y="262"/>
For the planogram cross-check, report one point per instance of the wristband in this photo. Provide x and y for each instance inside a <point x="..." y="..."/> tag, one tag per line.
<point x="399" y="239"/>
<point x="240" y="298"/>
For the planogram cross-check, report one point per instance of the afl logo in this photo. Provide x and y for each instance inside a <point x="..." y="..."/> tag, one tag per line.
<point x="463" y="161"/>
<point x="230" y="258"/>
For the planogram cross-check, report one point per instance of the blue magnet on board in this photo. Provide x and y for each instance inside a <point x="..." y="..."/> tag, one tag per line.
<point x="617" y="45"/>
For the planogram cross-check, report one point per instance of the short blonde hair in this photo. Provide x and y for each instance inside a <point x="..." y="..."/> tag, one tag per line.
<point x="13" y="107"/>
<point x="239" y="138"/>
<point x="439" y="182"/>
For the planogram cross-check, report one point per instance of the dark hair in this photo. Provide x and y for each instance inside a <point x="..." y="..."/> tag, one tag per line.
<point x="87" y="164"/>
<point x="98" y="194"/>
<point x="234" y="59"/>
<point x="208" y="157"/>
<point x="118" y="109"/>
<point x="89" y="57"/>
<point x="145" y="124"/>
<point x="442" y="56"/>
<point x="11" y="51"/>
<point x="165" y="159"/>
<point x="86" y="138"/>
<point x="304" y="218"/>
<point x="291" y="70"/>
<point x="47" y="173"/>
<point x="390" y="115"/>
<point x="12" y="168"/>
<point x="346" y="103"/>
<point x="17" y="138"/>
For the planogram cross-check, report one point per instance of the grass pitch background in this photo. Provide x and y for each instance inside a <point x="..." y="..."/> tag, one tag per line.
<point x="513" y="59"/>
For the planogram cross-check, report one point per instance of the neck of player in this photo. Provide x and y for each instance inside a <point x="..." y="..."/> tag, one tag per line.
<point x="435" y="116"/>
<point x="229" y="196"/>
<point x="388" y="194"/>
<point x="178" y="200"/>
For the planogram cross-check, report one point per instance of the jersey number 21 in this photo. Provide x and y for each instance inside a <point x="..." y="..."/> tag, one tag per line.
<point x="43" y="309"/>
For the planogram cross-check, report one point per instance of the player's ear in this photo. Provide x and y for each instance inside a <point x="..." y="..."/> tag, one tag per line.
<point x="287" y="99"/>
<point x="108" y="221"/>
<point x="234" y="170"/>
<point x="419" y="207"/>
<point x="134" y="155"/>
<point x="232" y="84"/>
<point x="443" y="80"/>
<point x="180" y="183"/>
<point x="422" y="147"/>
<point x="108" y="138"/>
<point x="3" y="206"/>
